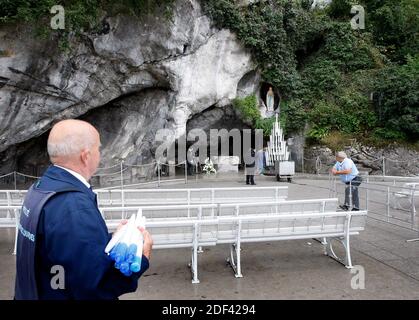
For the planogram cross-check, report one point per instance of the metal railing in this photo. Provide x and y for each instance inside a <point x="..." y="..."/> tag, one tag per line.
<point x="114" y="176"/>
<point x="387" y="202"/>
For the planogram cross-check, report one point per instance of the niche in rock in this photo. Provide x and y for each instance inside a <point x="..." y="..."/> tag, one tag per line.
<point x="264" y="89"/>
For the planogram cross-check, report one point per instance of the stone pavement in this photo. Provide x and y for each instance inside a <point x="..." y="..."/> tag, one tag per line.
<point x="277" y="270"/>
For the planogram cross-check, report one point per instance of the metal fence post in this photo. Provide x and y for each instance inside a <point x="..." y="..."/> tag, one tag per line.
<point x="350" y="194"/>
<point x="186" y="172"/>
<point x="317" y="165"/>
<point x="302" y="163"/>
<point x="15" y="181"/>
<point x="388" y="204"/>
<point x="158" y="173"/>
<point x="384" y="166"/>
<point x="331" y="191"/>
<point x="413" y="209"/>
<point x="199" y="227"/>
<point x="367" y="194"/>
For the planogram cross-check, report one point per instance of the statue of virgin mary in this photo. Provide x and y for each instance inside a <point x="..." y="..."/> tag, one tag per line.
<point x="270" y="100"/>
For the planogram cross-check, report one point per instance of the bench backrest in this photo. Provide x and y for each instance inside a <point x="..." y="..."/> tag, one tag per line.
<point x="205" y="211"/>
<point x="253" y="228"/>
<point x="292" y="226"/>
<point x="137" y="197"/>
<point x="285" y="207"/>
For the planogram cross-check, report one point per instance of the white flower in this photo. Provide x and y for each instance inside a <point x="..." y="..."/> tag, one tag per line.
<point x="209" y="167"/>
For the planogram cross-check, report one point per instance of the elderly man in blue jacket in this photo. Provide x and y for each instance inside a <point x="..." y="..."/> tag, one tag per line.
<point x="349" y="175"/>
<point x="61" y="228"/>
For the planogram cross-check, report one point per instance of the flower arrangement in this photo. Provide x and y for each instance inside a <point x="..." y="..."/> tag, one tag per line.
<point x="209" y="167"/>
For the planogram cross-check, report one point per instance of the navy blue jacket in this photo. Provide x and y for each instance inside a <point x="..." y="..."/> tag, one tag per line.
<point x="72" y="233"/>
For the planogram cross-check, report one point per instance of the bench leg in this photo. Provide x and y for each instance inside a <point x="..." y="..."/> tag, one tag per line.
<point x="17" y="218"/>
<point x="235" y="251"/>
<point x="239" y="265"/>
<point x="323" y="241"/>
<point x="194" y="264"/>
<point x="15" y="248"/>
<point x="346" y="261"/>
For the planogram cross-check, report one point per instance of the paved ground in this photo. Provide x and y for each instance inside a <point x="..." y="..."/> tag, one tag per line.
<point x="277" y="270"/>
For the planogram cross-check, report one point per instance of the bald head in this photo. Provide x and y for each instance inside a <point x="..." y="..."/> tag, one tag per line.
<point x="74" y="144"/>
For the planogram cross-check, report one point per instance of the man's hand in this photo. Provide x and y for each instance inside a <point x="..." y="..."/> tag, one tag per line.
<point x="334" y="171"/>
<point x="121" y="224"/>
<point x="148" y="242"/>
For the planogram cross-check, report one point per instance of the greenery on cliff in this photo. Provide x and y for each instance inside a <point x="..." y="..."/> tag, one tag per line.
<point x="80" y="15"/>
<point x="343" y="83"/>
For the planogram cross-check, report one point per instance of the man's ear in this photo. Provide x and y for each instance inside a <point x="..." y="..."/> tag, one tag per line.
<point x="84" y="156"/>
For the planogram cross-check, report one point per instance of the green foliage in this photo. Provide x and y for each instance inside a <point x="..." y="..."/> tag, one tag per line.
<point x="326" y="116"/>
<point x="395" y="26"/>
<point x="317" y="133"/>
<point x="358" y="113"/>
<point x="325" y="70"/>
<point x="397" y="89"/>
<point x="265" y="124"/>
<point x="348" y="115"/>
<point x="341" y="9"/>
<point x="272" y="31"/>
<point x="249" y="110"/>
<point x="388" y="134"/>
<point x="320" y="78"/>
<point x="293" y="116"/>
<point x="248" y="107"/>
<point x="80" y="15"/>
<point x="348" y="49"/>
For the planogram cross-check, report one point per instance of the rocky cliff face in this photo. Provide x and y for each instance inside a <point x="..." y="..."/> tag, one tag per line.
<point x="130" y="79"/>
<point x="392" y="161"/>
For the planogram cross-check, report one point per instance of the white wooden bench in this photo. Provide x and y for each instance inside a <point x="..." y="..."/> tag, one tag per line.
<point x="238" y="230"/>
<point x="262" y="228"/>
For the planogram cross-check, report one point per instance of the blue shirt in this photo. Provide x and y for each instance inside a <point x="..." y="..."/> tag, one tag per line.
<point x="72" y="233"/>
<point x="345" y="165"/>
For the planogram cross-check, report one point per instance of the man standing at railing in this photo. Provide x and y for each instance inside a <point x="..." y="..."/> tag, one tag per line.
<point x="62" y="235"/>
<point x="348" y="173"/>
<point x="250" y="167"/>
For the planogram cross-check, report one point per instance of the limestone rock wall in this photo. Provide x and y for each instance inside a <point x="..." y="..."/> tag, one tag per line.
<point x="131" y="79"/>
